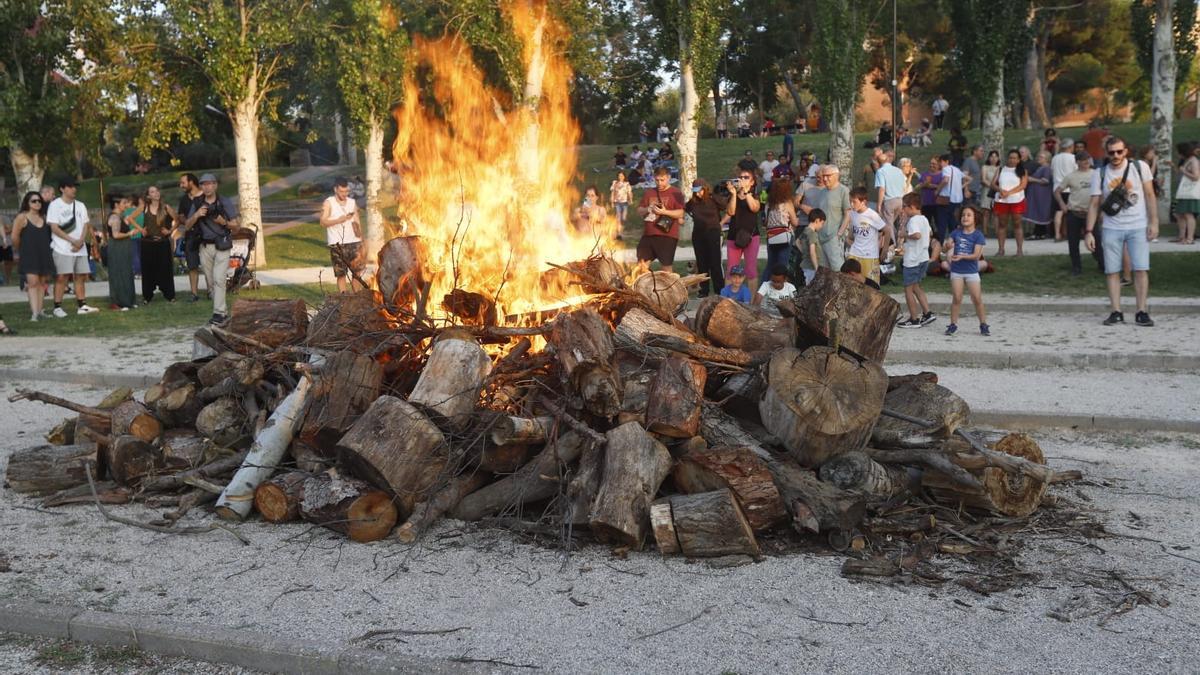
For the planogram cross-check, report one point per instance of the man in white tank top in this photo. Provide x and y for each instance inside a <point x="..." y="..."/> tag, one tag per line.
<point x="343" y="234"/>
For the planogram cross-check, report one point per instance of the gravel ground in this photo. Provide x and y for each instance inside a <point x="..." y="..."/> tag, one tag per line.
<point x="520" y="603"/>
<point x="20" y="654"/>
<point x="145" y="353"/>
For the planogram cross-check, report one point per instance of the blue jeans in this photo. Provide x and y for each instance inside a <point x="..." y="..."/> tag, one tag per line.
<point x="945" y="220"/>
<point x="777" y="254"/>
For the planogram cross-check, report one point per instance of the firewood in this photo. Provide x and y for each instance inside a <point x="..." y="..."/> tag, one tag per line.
<point x="536" y="481"/>
<point x="663" y="289"/>
<point x="675" y="395"/>
<point x="662" y="524"/>
<point x="132" y="418"/>
<point x="634" y="466"/>
<point x="583" y="345"/>
<point x="107" y="492"/>
<point x="115" y="398"/>
<point x="348" y="321"/>
<point x="220" y="466"/>
<point x="710" y="524"/>
<point x="865" y="317"/>
<point x="924" y="400"/>
<point x="897" y="381"/>
<point x="271" y="322"/>
<point x="278" y="499"/>
<point x="857" y="472"/>
<point x="349" y="506"/>
<point x="584" y="484"/>
<point x="733" y="325"/>
<point x="178" y="407"/>
<point x="308" y="459"/>
<point x="268" y="448"/>
<point x="395" y="447"/>
<point x="183" y="449"/>
<point x="604" y="269"/>
<point x="452" y="378"/>
<point x="702" y="469"/>
<point x="223" y="422"/>
<point x="42" y="397"/>
<point x="401" y="275"/>
<point x="347" y="385"/>
<point x="733" y="357"/>
<point x="1008" y="493"/>
<point x="510" y="430"/>
<point x="821" y="403"/>
<point x="505" y="459"/>
<point x="638" y="323"/>
<point x="470" y="308"/>
<point x="63" y="433"/>
<point x="219" y="368"/>
<point x="427" y="512"/>
<point x="130" y="458"/>
<point x="45" y="469"/>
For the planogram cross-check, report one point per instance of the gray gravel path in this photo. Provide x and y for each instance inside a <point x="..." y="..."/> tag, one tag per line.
<point x="20" y="655"/>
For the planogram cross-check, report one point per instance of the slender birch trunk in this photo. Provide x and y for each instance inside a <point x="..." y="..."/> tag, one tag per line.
<point x="339" y="135"/>
<point x="1162" y="101"/>
<point x="375" y="234"/>
<point x="28" y="169"/>
<point x="245" y="137"/>
<point x="993" y="118"/>
<point x="688" y="107"/>
<point x="841" y="139"/>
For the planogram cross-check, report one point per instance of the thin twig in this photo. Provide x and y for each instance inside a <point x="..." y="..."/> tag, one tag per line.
<point x="157" y="528"/>
<point x="401" y="631"/>
<point x="681" y="624"/>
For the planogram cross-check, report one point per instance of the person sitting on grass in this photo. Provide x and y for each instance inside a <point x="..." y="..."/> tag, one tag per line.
<point x="775" y="289"/>
<point x="915" y="264"/>
<point x="853" y="269"/>
<point x="736" y="289"/>
<point x="965" y="245"/>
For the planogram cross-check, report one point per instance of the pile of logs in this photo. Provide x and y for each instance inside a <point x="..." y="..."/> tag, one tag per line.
<point x="620" y="418"/>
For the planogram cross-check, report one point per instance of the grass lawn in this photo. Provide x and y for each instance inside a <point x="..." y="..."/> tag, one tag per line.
<point x="300" y="246"/>
<point x="155" y="316"/>
<point x="168" y="182"/>
<point x="292" y="193"/>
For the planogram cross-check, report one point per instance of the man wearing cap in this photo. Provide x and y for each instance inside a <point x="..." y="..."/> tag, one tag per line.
<point x="216" y="218"/>
<point x="71" y="230"/>
<point x="1074" y="196"/>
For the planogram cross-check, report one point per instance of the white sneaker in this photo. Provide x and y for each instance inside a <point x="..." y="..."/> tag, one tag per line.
<point x="87" y="309"/>
<point x="34" y="317"/>
<point x="60" y="313"/>
<point x="124" y="309"/>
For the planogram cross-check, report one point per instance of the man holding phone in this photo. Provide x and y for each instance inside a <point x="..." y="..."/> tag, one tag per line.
<point x="217" y="219"/>
<point x="661" y="210"/>
<point x="343" y="234"/>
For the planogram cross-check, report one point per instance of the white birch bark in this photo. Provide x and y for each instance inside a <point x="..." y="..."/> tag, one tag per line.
<point x="245" y="137"/>
<point x="688" y="107"/>
<point x="841" y="138"/>
<point x="339" y="135"/>
<point x="28" y="169"/>
<point x="536" y="73"/>
<point x="1162" y="101"/>
<point x="375" y="234"/>
<point x="993" y="118"/>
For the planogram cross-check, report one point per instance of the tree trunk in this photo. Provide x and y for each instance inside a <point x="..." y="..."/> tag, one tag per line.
<point x="583" y="345"/>
<point x="376" y="229"/>
<point x="1039" y="117"/>
<point x="534" y="482"/>
<point x="841" y="137"/>
<point x="45" y="469"/>
<point x="676" y="392"/>
<point x="272" y="322"/>
<point x="689" y="110"/>
<point x="736" y="326"/>
<point x="339" y="135"/>
<point x="129" y="459"/>
<point x="708" y="525"/>
<point x="740" y="470"/>
<point x="638" y="323"/>
<point x="634" y="466"/>
<point x="581" y="491"/>
<point x="815" y="506"/>
<point x="346" y="387"/>
<point x="28" y="169"/>
<point x="244" y="118"/>
<point x="790" y="83"/>
<point x="349" y="506"/>
<point x="999" y="491"/>
<point x="861" y="317"/>
<point x="922" y="400"/>
<point x="993" y="117"/>
<point x="278" y="500"/>
<point x="452" y="378"/>
<point x="719" y="104"/>
<point x="1162" y="100"/>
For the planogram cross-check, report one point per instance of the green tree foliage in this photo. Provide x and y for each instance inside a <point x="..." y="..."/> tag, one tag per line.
<point x="990" y="42"/>
<point x="837" y="55"/>
<point x="1089" y="47"/>
<point x="1187" y="33"/>
<point x="363" y="54"/>
<point x="615" y="92"/>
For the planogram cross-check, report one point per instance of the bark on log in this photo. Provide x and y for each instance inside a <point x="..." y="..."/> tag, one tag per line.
<point x="183" y="449"/>
<point x="897" y="381"/>
<point x="347" y="385"/>
<point x="505" y="459"/>
<point x="221" y="466"/>
<point x="583" y="345"/>
<point x="452" y="378"/>
<point x="510" y="430"/>
<point x="662" y="524"/>
<point x="271" y="322"/>
<point x="107" y="492"/>
<point x="733" y="325"/>
<point x="664" y="290"/>
<point x="46" y="469"/>
<point x="815" y="506"/>
<point x="675" y="396"/>
<point x="739" y="469"/>
<point x="349" y="506"/>
<point x="733" y="357"/>
<point x="711" y="524"/>
<point x="278" y="499"/>
<point x="129" y="459"/>
<point x="534" y="482"/>
<point x="1009" y="493"/>
<point x="348" y="321"/>
<point x="865" y="317"/>
<point x="857" y="472"/>
<point x="401" y="274"/>
<point x="63" y="433"/>
<point x="178" y="407"/>
<point x="923" y="400"/>
<point x="133" y="419"/>
<point x="395" y="447"/>
<point x="426" y="513"/>
<point x="223" y="422"/>
<point x="582" y="489"/>
<point x="638" y="323"/>
<point x="820" y="403"/>
<point x="635" y="465"/>
<point x="220" y="367"/>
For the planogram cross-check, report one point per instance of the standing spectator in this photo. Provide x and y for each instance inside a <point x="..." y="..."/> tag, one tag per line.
<point x="987" y="196"/>
<point x="643" y="133"/>
<point x="871" y="234"/>
<point x="808" y="166"/>
<point x="1050" y="141"/>
<point x="928" y="185"/>
<point x="706" y="235"/>
<point x="156" y="247"/>
<point x="966" y="249"/>
<point x="973" y="172"/>
<point x="1187" y="198"/>
<point x="766" y="169"/>
<point x="619" y="158"/>
<point x="68" y="219"/>
<point x="949" y="197"/>
<point x="6" y="248"/>
<point x="1038" y="196"/>
<point x="343" y="235"/>
<point x="1074" y="196"/>
<point x="661" y="209"/>
<point x="889" y="188"/>
<point x="1027" y="160"/>
<point x="789" y="144"/>
<point x="621" y="194"/>
<point x="722" y="125"/>
<point x="736" y="289"/>
<point x="189" y="235"/>
<point x="940" y="106"/>
<point x="664" y="133"/>
<point x="808" y="246"/>
<point x="31" y="238"/>
<point x="1061" y="165"/>
<point x="1093" y="139"/>
<point x="591" y="214"/>
<point x="867" y="179"/>
<point x="1010" y="201"/>
<point x="957" y="147"/>
<point x="775" y="289"/>
<point x="910" y="174"/>
<point x="835" y="202"/>
<point x="216" y="217"/>
<point x="915" y="264"/>
<point x="1129" y="220"/>
<point x="741" y="242"/>
<point x="136" y="204"/>
<point x="120" y="228"/>
<point x="781" y="220"/>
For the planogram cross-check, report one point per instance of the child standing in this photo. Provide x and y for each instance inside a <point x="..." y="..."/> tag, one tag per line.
<point x="916" y="263"/>
<point x="737" y="289"/>
<point x="808" y="246"/>
<point x="966" y="248"/>
<point x="870" y="234"/>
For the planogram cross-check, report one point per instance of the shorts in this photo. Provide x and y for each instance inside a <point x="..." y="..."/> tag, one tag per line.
<point x="973" y="277"/>
<point x="914" y="275"/>
<point x="1002" y="209"/>
<point x="71" y="264"/>
<point x="870" y="267"/>
<point x="1114" y="243"/>
<point x="345" y="258"/>
<point x="191" y="252"/>
<point x="653" y="247"/>
<point x="6" y="254"/>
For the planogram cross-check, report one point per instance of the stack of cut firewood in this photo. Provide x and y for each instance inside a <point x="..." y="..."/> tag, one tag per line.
<point x="617" y="416"/>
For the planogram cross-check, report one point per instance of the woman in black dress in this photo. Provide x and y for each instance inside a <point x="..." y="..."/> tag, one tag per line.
<point x="31" y="238"/>
<point x="156" y="247"/>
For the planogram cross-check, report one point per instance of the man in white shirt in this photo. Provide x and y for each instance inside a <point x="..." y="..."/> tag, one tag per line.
<point x="940" y="106"/>
<point x="71" y="231"/>
<point x="949" y="196"/>
<point x="343" y="235"/>
<point x="1062" y="165"/>
<point x="766" y="169"/>
<point x="889" y="188"/>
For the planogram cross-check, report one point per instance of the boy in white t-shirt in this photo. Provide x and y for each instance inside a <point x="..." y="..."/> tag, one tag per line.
<point x="916" y="262"/>
<point x="871" y="235"/>
<point x="775" y="289"/>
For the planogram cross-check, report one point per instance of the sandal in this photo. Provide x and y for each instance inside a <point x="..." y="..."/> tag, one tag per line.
<point x="5" y="330"/>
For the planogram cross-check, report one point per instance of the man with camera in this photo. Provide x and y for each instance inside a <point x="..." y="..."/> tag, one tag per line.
<point x="1124" y="204"/>
<point x="217" y="218"/>
<point x="661" y="210"/>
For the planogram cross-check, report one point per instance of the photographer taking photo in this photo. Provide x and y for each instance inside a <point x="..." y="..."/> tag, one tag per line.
<point x="741" y="243"/>
<point x="661" y="209"/>
<point x="217" y="219"/>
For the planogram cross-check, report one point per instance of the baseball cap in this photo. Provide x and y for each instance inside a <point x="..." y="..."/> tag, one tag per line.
<point x="1082" y="155"/>
<point x="697" y="186"/>
<point x="738" y="270"/>
<point x="208" y="178"/>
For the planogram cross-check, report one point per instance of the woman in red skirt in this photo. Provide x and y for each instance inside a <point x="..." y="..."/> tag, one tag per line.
<point x="1009" y="204"/>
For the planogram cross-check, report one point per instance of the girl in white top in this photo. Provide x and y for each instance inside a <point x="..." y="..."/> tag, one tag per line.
<point x="1009" y="204"/>
<point x="621" y="193"/>
<point x="1187" y="199"/>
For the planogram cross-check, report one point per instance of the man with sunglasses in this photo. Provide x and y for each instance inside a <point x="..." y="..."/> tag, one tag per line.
<point x="1126" y="220"/>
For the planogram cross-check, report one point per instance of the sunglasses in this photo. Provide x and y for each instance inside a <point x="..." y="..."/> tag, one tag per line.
<point x="35" y="201"/>
<point x="1116" y="153"/>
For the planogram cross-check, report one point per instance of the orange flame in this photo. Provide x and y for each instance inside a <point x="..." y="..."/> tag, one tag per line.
<point x="487" y="184"/>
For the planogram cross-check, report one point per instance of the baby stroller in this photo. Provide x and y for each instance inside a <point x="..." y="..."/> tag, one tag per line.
<point x="241" y="260"/>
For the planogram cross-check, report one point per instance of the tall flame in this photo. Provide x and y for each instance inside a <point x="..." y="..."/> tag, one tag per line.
<point x="488" y="186"/>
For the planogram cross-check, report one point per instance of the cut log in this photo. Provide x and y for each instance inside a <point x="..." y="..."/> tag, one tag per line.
<point x="857" y="472"/>
<point x="664" y="290"/>
<point x="865" y="317"/>
<point x="924" y="400"/>
<point x="635" y="465"/>
<point x="603" y="269"/>
<point x="510" y="430"/>
<point x="133" y="419"/>
<point x="349" y="506"/>
<point x="426" y="513"/>
<point x="222" y="366"/>
<point x="347" y="385"/>
<point x="107" y="492"/>
<point x="223" y="422"/>
<point x="221" y="466"/>
<point x="584" y="484"/>
<point x="271" y="322"/>
<point x="733" y="325"/>
<point x="115" y="398"/>
<point x="178" y="407"/>
<point x="395" y="447"/>
<point x="673" y="407"/>
<point x="183" y="449"/>
<point x="348" y="321"/>
<point x="534" y="482"/>
<point x="896" y="381"/>
<point x="401" y="274"/>
<point x="46" y="469"/>
<point x="663" y="526"/>
<point x="733" y="357"/>
<point x="264" y="455"/>
<point x="63" y="433"/>
<point x="129" y="459"/>
<point x="308" y="459"/>
<point x="1008" y="493"/>
<point x="820" y="403"/>
<point x="638" y="323"/>
<point x="505" y="459"/>
<point x="739" y="469"/>
<point x="452" y="378"/>
<point x="815" y="506"/>
<point x="583" y="345"/>
<point x="711" y="524"/>
<point x="278" y="499"/>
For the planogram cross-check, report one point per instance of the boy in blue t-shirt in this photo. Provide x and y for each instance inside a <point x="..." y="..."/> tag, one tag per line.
<point x="965" y="245"/>
<point x="737" y="289"/>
